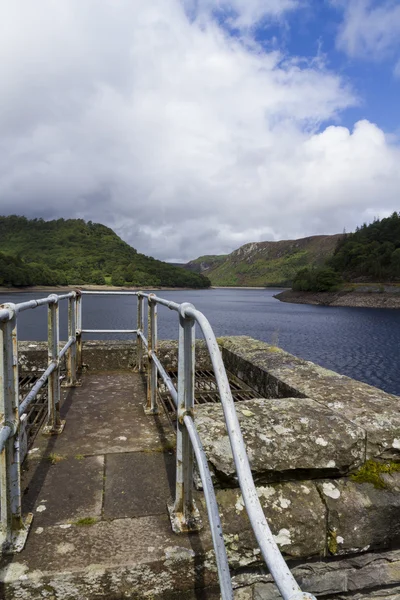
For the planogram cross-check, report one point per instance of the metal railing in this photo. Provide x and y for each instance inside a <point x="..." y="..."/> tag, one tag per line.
<point x="13" y="526"/>
<point x="183" y="511"/>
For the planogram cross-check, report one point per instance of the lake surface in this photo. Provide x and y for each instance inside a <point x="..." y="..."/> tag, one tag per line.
<point x="360" y="342"/>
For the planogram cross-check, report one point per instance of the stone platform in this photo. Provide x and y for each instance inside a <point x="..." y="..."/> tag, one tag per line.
<point x="324" y="452"/>
<point x="98" y="493"/>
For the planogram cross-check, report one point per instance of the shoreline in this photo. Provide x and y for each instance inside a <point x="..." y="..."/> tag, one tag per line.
<point x="350" y="299"/>
<point x="113" y="288"/>
<point x="95" y="288"/>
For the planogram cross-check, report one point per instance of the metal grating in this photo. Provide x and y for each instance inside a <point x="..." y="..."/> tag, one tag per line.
<point x="205" y="390"/>
<point x="37" y="410"/>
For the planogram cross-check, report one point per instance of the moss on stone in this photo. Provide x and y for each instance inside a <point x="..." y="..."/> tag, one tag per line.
<point x="372" y="471"/>
<point x="86" y="521"/>
<point x="332" y="541"/>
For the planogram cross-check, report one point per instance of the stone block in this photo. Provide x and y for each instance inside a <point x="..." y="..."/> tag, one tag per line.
<point x="360" y="516"/>
<point x="275" y="372"/>
<point x="295" y="514"/>
<point x="285" y="438"/>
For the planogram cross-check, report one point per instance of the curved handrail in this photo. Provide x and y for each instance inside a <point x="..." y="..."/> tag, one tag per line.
<point x="286" y="583"/>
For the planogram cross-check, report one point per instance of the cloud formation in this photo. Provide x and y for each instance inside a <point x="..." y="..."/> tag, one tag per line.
<point x="370" y="29"/>
<point x="150" y="118"/>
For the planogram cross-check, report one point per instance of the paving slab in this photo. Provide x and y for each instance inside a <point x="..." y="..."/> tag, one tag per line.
<point x="106" y="415"/>
<point x="123" y="558"/>
<point x="138" y="484"/>
<point x="64" y="492"/>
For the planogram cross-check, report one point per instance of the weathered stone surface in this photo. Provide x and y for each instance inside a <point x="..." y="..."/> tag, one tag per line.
<point x="106" y="415"/>
<point x="364" y="575"/>
<point x="133" y="558"/>
<point x="167" y="351"/>
<point x="285" y="438"/>
<point x="295" y="513"/>
<point x="275" y="372"/>
<point x="81" y="482"/>
<point x="138" y="484"/>
<point x="361" y="517"/>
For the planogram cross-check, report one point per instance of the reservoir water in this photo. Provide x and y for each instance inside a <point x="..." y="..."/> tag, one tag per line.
<point x="359" y="342"/>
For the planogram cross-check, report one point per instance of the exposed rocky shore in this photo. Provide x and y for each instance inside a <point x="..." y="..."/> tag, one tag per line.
<point x="388" y="298"/>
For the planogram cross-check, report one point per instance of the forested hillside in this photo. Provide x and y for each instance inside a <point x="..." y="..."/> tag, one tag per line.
<point x="38" y="252"/>
<point x="370" y="254"/>
<point x="266" y="263"/>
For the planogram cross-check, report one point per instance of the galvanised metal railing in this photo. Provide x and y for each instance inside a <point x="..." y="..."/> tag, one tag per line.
<point x="183" y="511"/>
<point x="13" y="526"/>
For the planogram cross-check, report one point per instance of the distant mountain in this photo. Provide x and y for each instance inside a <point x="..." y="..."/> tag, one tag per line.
<point x="38" y="252"/>
<point x="266" y="263"/>
<point x="203" y="264"/>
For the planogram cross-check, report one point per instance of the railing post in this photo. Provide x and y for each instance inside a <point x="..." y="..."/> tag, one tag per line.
<point x="54" y="424"/>
<point x="71" y="355"/>
<point x="78" y="336"/>
<point x="140" y="328"/>
<point x="151" y="407"/>
<point x="183" y="512"/>
<point x="14" y="529"/>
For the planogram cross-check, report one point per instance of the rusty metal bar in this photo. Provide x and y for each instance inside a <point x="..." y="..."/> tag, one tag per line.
<point x="13" y="528"/>
<point x="5" y="433"/>
<point x="144" y="340"/>
<point x="35" y="389"/>
<point x="105" y="293"/>
<point x="151" y="407"/>
<point x="71" y="357"/>
<point x="166" y="378"/>
<point x="54" y="424"/>
<point x="140" y="332"/>
<point x="108" y="331"/>
<point x="183" y="512"/>
<point x="78" y="335"/>
<point x="65" y="349"/>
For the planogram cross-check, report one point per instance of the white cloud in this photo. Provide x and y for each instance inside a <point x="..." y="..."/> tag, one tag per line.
<point x="371" y="29"/>
<point x="244" y="13"/>
<point x="184" y="139"/>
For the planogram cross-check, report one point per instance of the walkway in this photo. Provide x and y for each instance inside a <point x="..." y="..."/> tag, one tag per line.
<point x="98" y="493"/>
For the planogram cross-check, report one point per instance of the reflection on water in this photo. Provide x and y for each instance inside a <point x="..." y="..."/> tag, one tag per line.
<point x="359" y="342"/>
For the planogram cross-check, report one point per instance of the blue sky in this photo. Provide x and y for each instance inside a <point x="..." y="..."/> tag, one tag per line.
<point x="314" y="30"/>
<point x="195" y="126"/>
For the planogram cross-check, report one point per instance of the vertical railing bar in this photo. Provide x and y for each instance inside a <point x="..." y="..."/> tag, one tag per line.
<point x="140" y="329"/>
<point x="71" y="356"/>
<point x="151" y="407"/>
<point x="183" y="512"/>
<point x="54" y="424"/>
<point x="14" y="529"/>
<point x="78" y="331"/>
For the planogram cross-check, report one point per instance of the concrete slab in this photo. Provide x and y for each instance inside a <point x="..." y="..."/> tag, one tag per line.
<point x="138" y="484"/>
<point x="106" y="415"/>
<point x="123" y="558"/>
<point x="65" y="491"/>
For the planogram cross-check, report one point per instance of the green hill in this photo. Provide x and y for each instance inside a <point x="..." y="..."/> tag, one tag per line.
<point x="267" y="263"/>
<point x="38" y="252"/>
<point x="203" y="264"/>
<point x="371" y="253"/>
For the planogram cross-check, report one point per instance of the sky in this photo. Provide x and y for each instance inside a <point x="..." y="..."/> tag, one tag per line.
<point x="192" y="127"/>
